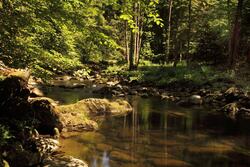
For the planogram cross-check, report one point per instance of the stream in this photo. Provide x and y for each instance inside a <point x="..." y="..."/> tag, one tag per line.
<point x="156" y="134"/>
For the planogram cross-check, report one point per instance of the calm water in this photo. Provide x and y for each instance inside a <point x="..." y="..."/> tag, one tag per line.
<point x="157" y="134"/>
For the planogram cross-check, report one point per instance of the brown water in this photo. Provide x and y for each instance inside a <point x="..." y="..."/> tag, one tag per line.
<point x="160" y="134"/>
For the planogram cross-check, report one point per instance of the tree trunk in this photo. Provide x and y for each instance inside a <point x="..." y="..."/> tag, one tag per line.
<point x="170" y="5"/>
<point x="126" y="41"/>
<point x="139" y="22"/>
<point x="235" y="36"/>
<point x="135" y="41"/>
<point x="137" y="35"/>
<point x="189" y="27"/>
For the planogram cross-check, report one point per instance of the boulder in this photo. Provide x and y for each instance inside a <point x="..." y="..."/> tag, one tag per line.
<point x="233" y="94"/>
<point x="192" y="100"/>
<point x="14" y="94"/>
<point x="195" y="100"/>
<point x="36" y="92"/>
<point x="77" y="116"/>
<point x="17" y="156"/>
<point x="45" y="113"/>
<point x="98" y="107"/>
<point x="231" y="110"/>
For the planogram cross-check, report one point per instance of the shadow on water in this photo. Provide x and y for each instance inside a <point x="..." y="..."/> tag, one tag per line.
<point x="158" y="134"/>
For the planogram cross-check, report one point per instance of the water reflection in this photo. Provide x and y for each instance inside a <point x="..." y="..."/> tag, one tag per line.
<point x="158" y="134"/>
<point x="105" y="159"/>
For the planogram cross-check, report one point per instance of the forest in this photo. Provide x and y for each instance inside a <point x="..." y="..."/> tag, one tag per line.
<point x="130" y="83"/>
<point x="56" y="37"/>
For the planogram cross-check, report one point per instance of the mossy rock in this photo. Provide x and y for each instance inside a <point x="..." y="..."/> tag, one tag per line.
<point x="81" y="114"/>
<point x="97" y="107"/>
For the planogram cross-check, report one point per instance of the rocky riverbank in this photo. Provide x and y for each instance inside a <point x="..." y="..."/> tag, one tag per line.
<point x="25" y="116"/>
<point x="30" y="125"/>
<point x="222" y="94"/>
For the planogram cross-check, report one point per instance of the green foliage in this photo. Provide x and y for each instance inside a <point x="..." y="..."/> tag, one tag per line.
<point x="165" y="75"/>
<point x="82" y="73"/>
<point x="211" y="48"/>
<point x="57" y="37"/>
<point x="54" y="36"/>
<point x="4" y="135"/>
<point x="114" y="69"/>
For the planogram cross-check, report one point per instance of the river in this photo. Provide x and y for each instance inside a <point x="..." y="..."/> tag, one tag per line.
<point x="156" y="134"/>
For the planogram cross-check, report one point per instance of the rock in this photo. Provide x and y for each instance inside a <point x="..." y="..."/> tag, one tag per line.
<point x="162" y="162"/>
<point x="64" y="78"/>
<point x="98" y="107"/>
<point x="230" y="110"/>
<point x="5" y="164"/>
<point x="63" y="161"/>
<point x="122" y="156"/>
<point x="35" y="92"/>
<point x="144" y="95"/>
<point x="17" y="156"/>
<point x="112" y="83"/>
<point x="195" y="99"/>
<point x="165" y="96"/>
<point x="104" y="147"/>
<point x="77" y="116"/>
<point x="243" y="114"/>
<point x="43" y="145"/>
<point x="192" y="100"/>
<point x="14" y="94"/>
<point x="143" y="89"/>
<point x="132" y="92"/>
<point x="233" y="94"/>
<point x="45" y="112"/>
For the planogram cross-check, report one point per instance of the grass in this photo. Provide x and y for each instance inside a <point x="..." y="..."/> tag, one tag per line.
<point x="161" y="75"/>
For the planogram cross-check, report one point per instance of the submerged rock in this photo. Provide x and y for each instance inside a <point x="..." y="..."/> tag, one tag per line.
<point x="230" y="110"/>
<point x="122" y="156"/>
<point x="162" y="162"/>
<point x="63" y="161"/>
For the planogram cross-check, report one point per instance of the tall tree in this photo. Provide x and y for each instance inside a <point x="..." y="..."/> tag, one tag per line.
<point x="189" y="26"/>
<point x="136" y="13"/>
<point x="168" y="29"/>
<point x="235" y="36"/>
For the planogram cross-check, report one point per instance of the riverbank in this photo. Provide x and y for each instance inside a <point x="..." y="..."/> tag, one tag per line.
<point x="33" y="114"/>
<point x="225" y="91"/>
<point x="31" y="125"/>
